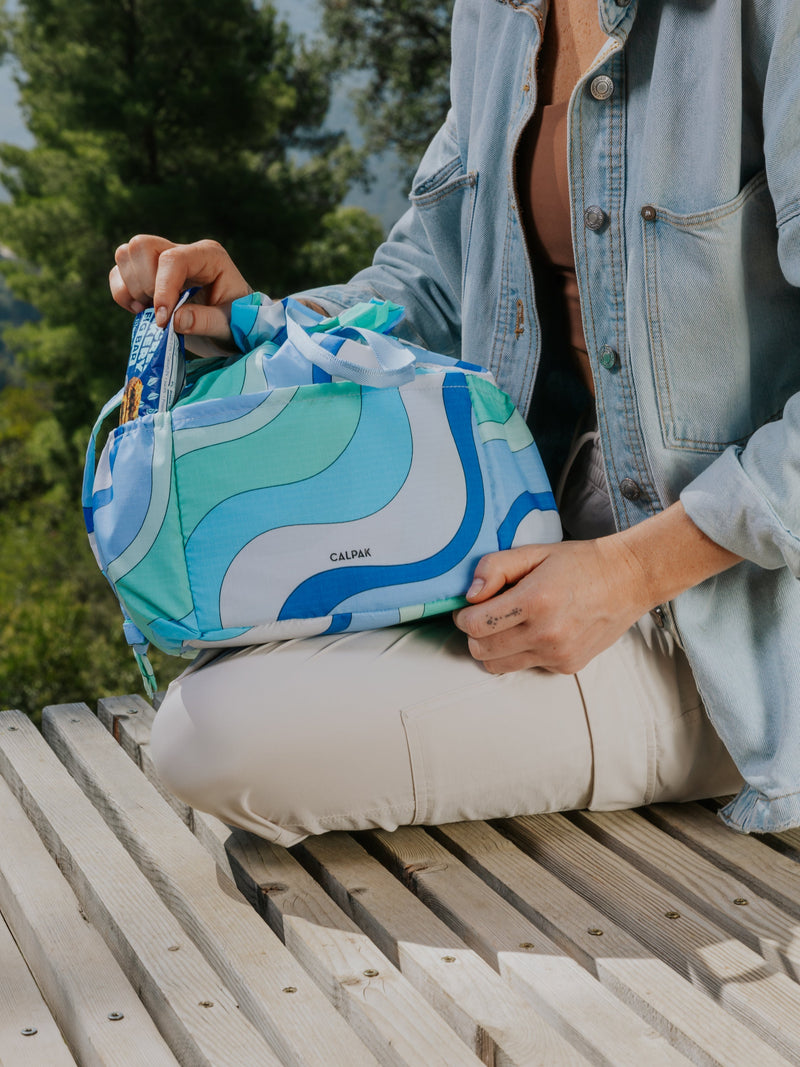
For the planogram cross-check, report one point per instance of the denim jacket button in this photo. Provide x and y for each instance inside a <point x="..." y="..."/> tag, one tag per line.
<point x="630" y="489"/>
<point x="601" y="87"/>
<point x="608" y="357"/>
<point x="648" y="213"/>
<point x="594" y="217"/>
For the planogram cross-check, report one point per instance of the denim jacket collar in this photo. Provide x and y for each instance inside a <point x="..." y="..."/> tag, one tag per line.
<point x="616" y="16"/>
<point x="612" y="13"/>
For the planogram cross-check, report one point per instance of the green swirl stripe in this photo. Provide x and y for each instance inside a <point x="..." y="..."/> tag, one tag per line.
<point x="189" y="438"/>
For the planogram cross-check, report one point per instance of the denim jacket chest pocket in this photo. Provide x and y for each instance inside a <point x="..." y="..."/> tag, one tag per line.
<point x="722" y="320"/>
<point x="445" y="203"/>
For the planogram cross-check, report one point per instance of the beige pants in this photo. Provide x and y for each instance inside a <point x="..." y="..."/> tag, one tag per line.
<point x="401" y="725"/>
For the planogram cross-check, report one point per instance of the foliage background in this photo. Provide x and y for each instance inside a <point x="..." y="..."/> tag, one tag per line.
<point x="145" y="118"/>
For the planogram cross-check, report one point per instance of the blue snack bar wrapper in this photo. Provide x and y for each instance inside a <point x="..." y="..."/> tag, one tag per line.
<point x="156" y="366"/>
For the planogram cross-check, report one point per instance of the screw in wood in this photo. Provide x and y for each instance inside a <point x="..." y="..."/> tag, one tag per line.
<point x="28" y="1031"/>
<point x="206" y="1003"/>
<point x="449" y="959"/>
<point x="526" y="944"/>
<point x="371" y="973"/>
<point x="115" y="1016"/>
<point x="740" y="901"/>
<point x="672" y="914"/>
<point x="290" y="989"/>
<point x="595" y="931"/>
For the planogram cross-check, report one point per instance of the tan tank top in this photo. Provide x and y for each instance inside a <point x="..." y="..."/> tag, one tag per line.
<point x="572" y="37"/>
<point x="544" y="191"/>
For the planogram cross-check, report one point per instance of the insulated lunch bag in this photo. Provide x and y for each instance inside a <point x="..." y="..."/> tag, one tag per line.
<point x="330" y="478"/>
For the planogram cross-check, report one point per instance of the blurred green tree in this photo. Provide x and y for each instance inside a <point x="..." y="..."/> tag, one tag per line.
<point x="146" y="117"/>
<point x="159" y="118"/>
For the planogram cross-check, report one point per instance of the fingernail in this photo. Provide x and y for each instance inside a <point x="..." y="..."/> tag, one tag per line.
<point x="161" y="316"/>
<point x="136" y="307"/>
<point x="475" y="588"/>
<point x="184" y="321"/>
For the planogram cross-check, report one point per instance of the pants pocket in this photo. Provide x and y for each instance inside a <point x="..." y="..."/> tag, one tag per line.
<point x="516" y="744"/>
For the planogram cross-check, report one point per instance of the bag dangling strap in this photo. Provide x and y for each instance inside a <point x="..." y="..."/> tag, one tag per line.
<point x="139" y="646"/>
<point x="146" y="671"/>
<point x="395" y="361"/>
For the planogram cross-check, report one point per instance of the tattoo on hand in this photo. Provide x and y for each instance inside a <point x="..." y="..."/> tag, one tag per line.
<point x="492" y="620"/>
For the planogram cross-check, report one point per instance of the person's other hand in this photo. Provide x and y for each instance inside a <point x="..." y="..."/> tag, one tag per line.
<point x="553" y="606"/>
<point x="153" y="271"/>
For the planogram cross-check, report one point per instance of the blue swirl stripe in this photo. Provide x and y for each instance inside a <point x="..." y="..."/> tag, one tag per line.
<point x="522" y="506"/>
<point x="320" y="594"/>
<point x="235" y="522"/>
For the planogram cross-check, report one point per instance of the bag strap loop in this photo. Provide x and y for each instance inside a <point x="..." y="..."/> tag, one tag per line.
<point x="395" y="361"/>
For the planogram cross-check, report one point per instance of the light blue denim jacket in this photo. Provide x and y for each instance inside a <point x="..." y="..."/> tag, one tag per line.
<point x="687" y="275"/>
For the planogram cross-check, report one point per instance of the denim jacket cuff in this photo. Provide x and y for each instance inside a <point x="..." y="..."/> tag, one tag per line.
<point x="729" y="508"/>
<point x="752" y="812"/>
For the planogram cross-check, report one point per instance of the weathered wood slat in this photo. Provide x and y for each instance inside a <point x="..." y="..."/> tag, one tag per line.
<point x="284" y="891"/>
<point x="242" y="949"/>
<point x="757" y="1004"/>
<point x="81" y="980"/>
<point x="589" y="1015"/>
<point x="295" y="904"/>
<point x="378" y="995"/>
<point x="787" y="841"/>
<point x="380" y="1005"/>
<point x="129" y="720"/>
<point x="694" y="1023"/>
<point x="290" y="899"/>
<point x="767" y="1002"/>
<point x="192" y="1009"/>
<point x="28" y="1031"/>
<point x="452" y="976"/>
<point x="721" y="897"/>
<point x="765" y="870"/>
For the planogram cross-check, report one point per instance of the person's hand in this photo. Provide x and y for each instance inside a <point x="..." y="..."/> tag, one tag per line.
<point x="557" y="606"/>
<point x="552" y="606"/>
<point x="154" y="271"/>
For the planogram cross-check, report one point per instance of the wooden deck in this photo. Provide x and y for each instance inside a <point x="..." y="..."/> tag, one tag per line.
<point x="137" y="931"/>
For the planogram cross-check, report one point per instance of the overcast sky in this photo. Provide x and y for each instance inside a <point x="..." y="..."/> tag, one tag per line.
<point x="11" y="125"/>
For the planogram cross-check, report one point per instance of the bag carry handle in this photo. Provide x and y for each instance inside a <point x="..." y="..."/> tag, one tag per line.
<point x="395" y="361"/>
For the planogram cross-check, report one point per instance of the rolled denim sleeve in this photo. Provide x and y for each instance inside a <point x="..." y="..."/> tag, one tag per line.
<point x="748" y="500"/>
<point x="408" y="268"/>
